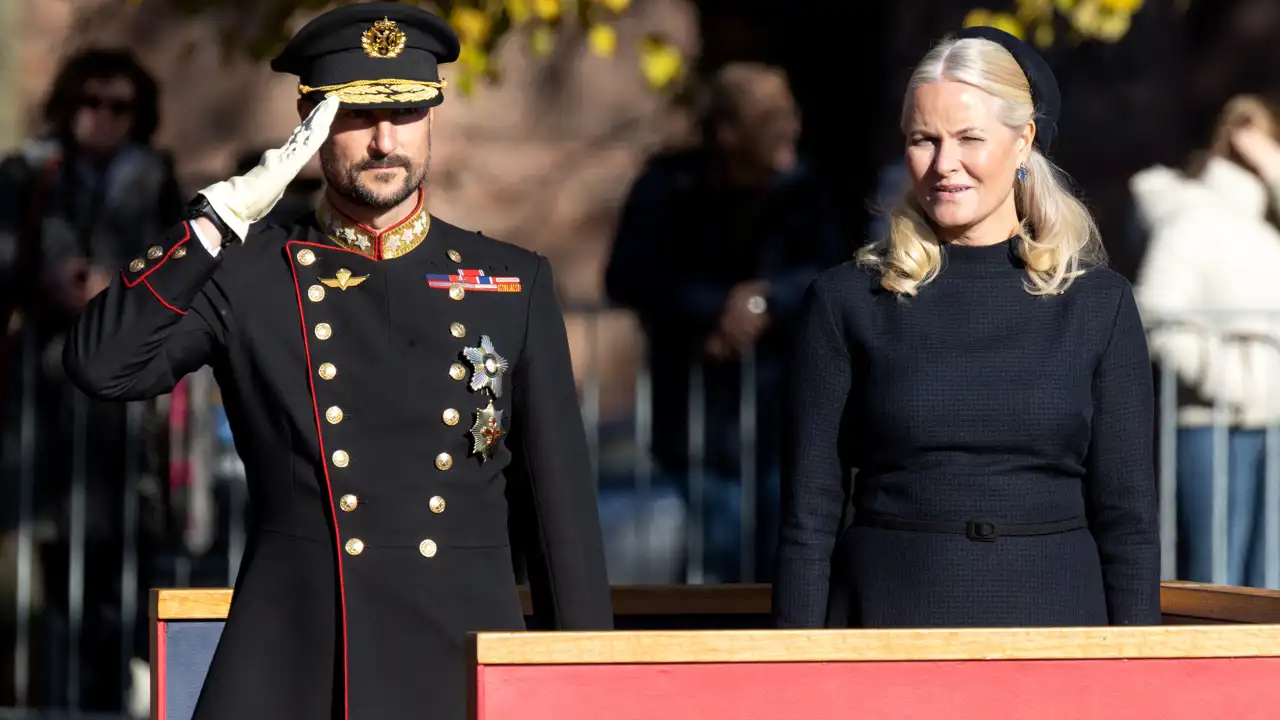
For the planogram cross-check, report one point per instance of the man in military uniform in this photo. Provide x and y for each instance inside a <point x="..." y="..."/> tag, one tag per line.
<point x="396" y="385"/>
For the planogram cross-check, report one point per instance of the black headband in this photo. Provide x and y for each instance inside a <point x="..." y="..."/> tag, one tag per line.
<point x="1044" y="86"/>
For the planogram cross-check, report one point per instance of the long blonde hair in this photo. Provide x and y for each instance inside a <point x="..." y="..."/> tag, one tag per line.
<point x="1059" y="236"/>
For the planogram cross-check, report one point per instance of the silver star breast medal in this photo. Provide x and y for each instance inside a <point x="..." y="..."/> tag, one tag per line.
<point x="488" y="366"/>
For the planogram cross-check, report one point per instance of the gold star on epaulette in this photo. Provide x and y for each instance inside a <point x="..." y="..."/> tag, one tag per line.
<point x="343" y="279"/>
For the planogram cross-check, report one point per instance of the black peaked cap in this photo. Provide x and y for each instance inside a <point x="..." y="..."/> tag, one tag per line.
<point x="373" y="55"/>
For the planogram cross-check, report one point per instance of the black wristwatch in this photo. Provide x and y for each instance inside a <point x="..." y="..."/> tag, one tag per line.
<point x="199" y="207"/>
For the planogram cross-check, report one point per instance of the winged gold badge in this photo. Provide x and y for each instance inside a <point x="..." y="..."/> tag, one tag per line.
<point x="343" y="279"/>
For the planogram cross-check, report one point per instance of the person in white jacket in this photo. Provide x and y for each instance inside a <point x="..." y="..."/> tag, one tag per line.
<point x="1209" y="289"/>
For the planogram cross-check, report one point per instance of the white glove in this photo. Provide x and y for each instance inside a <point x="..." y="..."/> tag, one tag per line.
<point x="245" y="199"/>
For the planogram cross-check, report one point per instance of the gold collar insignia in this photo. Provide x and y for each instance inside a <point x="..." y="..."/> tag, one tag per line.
<point x="393" y="242"/>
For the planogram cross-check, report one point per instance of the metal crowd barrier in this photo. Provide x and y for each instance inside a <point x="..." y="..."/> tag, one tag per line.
<point x="198" y="561"/>
<point x="1260" y="330"/>
<point x="46" y="662"/>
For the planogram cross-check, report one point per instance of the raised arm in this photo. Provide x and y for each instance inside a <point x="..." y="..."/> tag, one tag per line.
<point x="551" y="465"/>
<point x="163" y="318"/>
<point x="814" y="468"/>
<point x="826" y="247"/>
<point x="1120" y="486"/>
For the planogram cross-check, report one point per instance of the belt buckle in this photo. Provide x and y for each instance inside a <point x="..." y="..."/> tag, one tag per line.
<point x="980" y="531"/>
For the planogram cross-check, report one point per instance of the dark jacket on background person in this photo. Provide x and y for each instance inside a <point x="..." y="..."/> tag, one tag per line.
<point x="58" y="213"/>
<point x="683" y="242"/>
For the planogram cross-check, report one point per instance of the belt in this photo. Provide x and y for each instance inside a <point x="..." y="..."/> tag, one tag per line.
<point x="976" y="530"/>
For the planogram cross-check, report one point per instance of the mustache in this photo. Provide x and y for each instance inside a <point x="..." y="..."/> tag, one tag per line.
<point x="383" y="163"/>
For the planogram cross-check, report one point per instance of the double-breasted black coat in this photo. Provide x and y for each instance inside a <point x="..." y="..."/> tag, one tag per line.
<point x="397" y="399"/>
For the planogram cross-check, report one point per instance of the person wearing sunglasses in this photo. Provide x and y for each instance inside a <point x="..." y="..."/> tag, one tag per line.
<point x="73" y="200"/>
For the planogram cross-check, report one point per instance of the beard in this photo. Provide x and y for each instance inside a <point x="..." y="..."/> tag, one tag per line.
<point x="346" y="183"/>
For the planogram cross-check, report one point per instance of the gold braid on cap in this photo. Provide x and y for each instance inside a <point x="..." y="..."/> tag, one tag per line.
<point x="369" y="92"/>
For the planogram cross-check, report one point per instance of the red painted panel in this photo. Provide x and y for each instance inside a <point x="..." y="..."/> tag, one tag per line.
<point x="160" y="666"/>
<point x="1176" y="689"/>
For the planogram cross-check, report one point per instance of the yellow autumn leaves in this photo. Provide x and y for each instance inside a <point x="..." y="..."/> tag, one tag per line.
<point x="1033" y="20"/>
<point x="480" y="23"/>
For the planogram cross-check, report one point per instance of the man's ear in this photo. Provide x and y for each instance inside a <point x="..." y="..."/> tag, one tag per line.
<point x="305" y="106"/>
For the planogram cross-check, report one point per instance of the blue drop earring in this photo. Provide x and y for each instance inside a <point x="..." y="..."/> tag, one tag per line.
<point x="1022" y="173"/>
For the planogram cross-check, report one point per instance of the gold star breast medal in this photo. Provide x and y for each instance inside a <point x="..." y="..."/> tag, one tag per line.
<point x="486" y="432"/>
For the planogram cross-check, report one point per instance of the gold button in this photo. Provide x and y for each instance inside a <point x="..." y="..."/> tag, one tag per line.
<point x="457" y="372"/>
<point x="455" y="256"/>
<point x="154" y="252"/>
<point x="443" y="461"/>
<point x="427" y="548"/>
<point x="323" y="331"/>
<point x="348" y="503"/>
<point x="136" y="265"/>
<point x="333" y="415"/>
<point x="328" y="371"/>
<point x="355" y="546"/>
<point x="306" y="257"/>
<point x="179" y="252"/>
<point x="315" y="293"/>
<point x="436" y="504"/>
<point x="457" y="292"/>
<point x="451" y="417"/>
<point x="458" y="330"/>
<point x="341" y="458"/>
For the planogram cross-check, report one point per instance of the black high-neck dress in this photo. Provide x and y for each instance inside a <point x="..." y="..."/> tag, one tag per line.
<point x="1003" y="452"/>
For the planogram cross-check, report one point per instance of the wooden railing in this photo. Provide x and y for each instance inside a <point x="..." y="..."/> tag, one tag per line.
<point x="1182" y="672"/>
<point x="671" y="639"/>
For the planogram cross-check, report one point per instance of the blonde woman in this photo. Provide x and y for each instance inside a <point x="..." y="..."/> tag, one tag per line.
<point x="987" y="377"/>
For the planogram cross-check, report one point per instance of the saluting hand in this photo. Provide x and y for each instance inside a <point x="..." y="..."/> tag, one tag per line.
<point x="245" y="199"/>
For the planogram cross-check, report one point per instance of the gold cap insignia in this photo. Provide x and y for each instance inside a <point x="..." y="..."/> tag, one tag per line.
<point x="343" y="279"/>
<point x="383" y="40"/>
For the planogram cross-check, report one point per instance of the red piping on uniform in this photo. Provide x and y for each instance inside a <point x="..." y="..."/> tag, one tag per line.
<point x="324" y="464"/>
<point x="162" y="261"/>
<point x="162" y="300"/>
<point x="377" y="236"/>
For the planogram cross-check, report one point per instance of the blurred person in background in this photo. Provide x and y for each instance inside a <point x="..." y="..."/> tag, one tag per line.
<point x="1214" y="248"/>
<point x="985" y="374"/>
<point x="713" y="252"/>
<point x="72" y="204"/>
